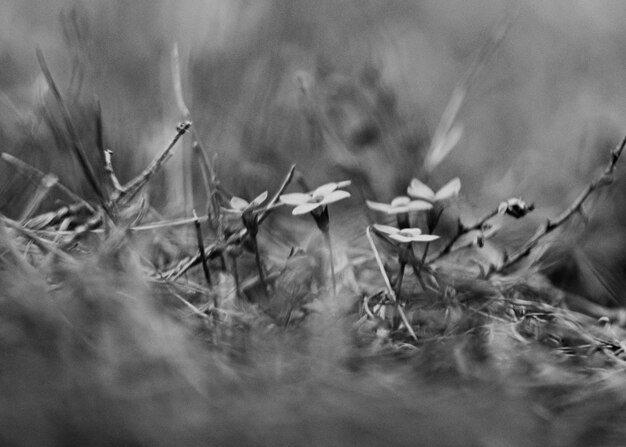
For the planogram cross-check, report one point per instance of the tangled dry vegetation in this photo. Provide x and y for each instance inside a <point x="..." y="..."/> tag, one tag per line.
<point x="119" y="326"/>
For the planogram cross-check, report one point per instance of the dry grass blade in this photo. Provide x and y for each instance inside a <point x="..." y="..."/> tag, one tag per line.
<point x="47" y="182"/>
<point x="203" y="258"/>
<point x="390" y="290"/>
<point x="447" y="135"/>
<point x="606" y="178"/>
<point x="108" y="168"/>
<point x="76" y="144"/>
<point x="44" y="245"/>
<point x="29" y="170"/>
<point x="276" y="196"/>
<point x="178" y="84"/>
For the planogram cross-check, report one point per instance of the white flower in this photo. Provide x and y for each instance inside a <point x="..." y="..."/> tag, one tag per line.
<point x="405" y="235"/>
<point x="320" y="197"/>
<point x="401" y="204"/>
<point x="419" y="190"/>
<point x="240" y="206"/>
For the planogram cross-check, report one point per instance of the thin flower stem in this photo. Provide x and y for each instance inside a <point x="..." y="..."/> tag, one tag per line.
<point x="418" y="270"/>
<point x="398" y="285"/>
<point x="398" y="291"/>
<point x="332" y="262"/>
<point x="259" y="266"/>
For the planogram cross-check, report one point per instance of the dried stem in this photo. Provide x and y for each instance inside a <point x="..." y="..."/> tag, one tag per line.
<point x="332" y="262"/>
<point x="108" y="168"/>
<point x="462" y="230"/>
<point x="606" y="178"/>
<point x="203" y="258"/>
<point x="134" y="186"/>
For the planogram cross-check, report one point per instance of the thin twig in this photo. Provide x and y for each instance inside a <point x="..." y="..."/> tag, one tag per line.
<point x="462" y="230"/>
<point x="606" y="178"/>
<point x="108" y="168"/>
<point x="134" y="186"/>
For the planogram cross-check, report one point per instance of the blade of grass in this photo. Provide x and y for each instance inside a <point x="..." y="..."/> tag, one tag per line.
<point x="69" y="125"/>
<point x="30" y="170"/>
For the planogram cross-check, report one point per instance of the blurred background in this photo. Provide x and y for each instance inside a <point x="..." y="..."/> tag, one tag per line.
<point x="346" y="89"/>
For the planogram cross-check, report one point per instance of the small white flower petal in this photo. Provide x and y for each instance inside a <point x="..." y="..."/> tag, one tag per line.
<point x="410" y="232"/>
<point x="335" y="196"/>
<point x="239" y="204"/>
<point x="386" y="229"/>
<point x="343" y="184"/>
<point x="324" y="190"/>
<point x="419" y="205"/>
<point x="377" y="206"/>
<point x="450" y="189"/>
<point x="259" y="199"/>
<point x="400" y="201"/>
<point x="400" y="238"/>
<point x="424" y="238"/>
<point x="295" y="198"/>
<point x="419" y="190"/>
<point x="305" y="208"/>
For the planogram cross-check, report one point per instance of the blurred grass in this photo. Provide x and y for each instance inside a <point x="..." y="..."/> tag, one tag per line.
<point x="350" y="89"/>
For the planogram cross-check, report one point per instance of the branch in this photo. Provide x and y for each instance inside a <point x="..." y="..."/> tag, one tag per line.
<point x="606" y="178"/>
<point x="134" y="186"/>
<point x="462" y="230"/>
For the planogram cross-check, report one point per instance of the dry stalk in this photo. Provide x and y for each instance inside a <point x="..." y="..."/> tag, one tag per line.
<point x="461" y="231"/>
<point x="131" y="189"/>
<point x="606" y="178"/>
<point x="203" y="258"/>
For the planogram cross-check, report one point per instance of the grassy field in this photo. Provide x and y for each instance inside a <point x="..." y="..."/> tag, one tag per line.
<point x="312" y="223"/>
